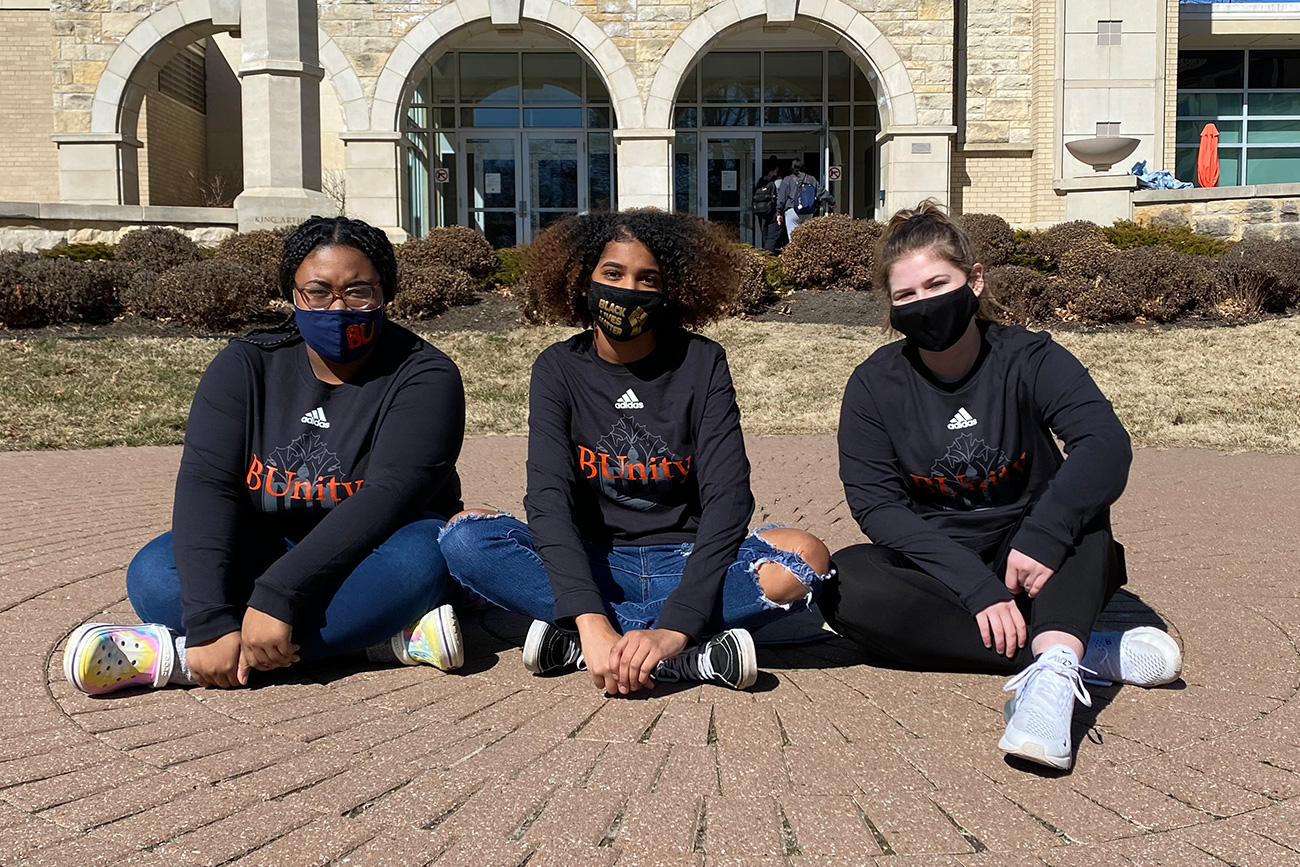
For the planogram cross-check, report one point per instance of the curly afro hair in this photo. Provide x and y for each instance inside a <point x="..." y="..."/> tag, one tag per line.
<point x="698" y="261"/>
<point x="341" y="232"/>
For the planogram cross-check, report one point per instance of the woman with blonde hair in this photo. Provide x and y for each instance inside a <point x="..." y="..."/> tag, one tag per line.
<point x="990" y="552"/>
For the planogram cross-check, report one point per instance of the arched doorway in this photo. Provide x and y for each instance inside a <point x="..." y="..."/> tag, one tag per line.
<point x="506" y="136"/>
<point x="745" y="104"/>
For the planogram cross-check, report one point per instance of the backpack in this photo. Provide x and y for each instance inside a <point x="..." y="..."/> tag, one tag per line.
<point x="805" y="197"/>
<point x="763" y="204"/>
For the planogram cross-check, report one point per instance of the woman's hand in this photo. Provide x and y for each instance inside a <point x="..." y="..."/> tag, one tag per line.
<point x="1002" y="627"/>
<point x="215" y="662"/>
<point x="266" y="644"/>
<point x="633" y="658"/>
<point x="598" y="637"/>
<point x="1025" y="573"/>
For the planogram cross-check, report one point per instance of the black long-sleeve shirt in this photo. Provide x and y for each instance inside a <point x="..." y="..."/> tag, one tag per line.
<point x="943" y="472"/>
<point x="334" y="468"/>
<point x="648" y="453"/>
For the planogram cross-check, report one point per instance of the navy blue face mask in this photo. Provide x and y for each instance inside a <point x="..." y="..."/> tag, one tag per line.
<point x="340" y="336"/>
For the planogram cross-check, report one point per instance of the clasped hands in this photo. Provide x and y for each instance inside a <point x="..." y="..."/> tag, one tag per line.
<point x="263" y="642"/>
<point x="1002" y="626"/>
<point x="622" y="664"/>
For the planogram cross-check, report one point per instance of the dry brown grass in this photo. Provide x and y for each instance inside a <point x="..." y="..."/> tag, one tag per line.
<point x="1223" y="388"/>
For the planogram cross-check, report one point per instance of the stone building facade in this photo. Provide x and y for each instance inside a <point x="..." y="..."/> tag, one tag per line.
<point x="504" y="114"/>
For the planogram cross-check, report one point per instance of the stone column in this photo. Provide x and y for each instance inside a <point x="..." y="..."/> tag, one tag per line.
<point x="98" y="168"/>
<point x="373" y="161"/>
<point x="645" y="168"/>
<point x="915" y="164"/>
<point x="281" y="75"/>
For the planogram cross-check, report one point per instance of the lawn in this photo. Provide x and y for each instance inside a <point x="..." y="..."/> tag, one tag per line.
<point x="1233" y="388"/>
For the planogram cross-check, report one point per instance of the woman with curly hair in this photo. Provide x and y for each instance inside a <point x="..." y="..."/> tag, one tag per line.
<point x="636" y="561"/>
<point x="319" y="460"/>
<point x="990" y="552"/>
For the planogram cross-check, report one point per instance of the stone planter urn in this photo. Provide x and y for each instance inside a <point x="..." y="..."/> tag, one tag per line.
<point x="1101" y="152"/>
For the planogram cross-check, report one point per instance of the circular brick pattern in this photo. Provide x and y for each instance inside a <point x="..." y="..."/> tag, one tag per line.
<point x="827" y="761"/>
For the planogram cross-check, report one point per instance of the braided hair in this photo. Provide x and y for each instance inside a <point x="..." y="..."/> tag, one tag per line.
<point x="328" y="232"/>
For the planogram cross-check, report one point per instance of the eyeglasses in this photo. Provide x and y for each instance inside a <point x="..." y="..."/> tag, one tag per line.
<point x="363" y="296"/>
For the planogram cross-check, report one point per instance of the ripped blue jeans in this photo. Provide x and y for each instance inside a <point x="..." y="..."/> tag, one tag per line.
<point x="494" y="556"/>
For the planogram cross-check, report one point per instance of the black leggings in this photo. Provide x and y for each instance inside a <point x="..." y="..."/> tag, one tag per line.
<point x="881" y="600"/>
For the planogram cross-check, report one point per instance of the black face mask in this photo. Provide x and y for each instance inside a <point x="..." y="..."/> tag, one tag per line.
<point x="624" y="314"/>
<point x="938" y="322"/>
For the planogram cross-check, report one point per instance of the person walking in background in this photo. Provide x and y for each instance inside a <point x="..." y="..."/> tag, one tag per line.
<point x="319" y="463"/>
<point x="797" y="198"/>
<point x="990" y="552"/>
<point x="636" y="562"/>
<point x="764" y="205"/>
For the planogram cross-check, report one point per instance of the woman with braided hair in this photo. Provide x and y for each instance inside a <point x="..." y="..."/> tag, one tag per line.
<point x="636" y="563"/>
<point x="319" y="463"/>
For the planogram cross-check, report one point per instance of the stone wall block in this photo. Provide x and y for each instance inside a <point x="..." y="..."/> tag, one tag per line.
<point x="1220" y="227"/>
<point x="1260" y="232"/>
<point x="1174" y="217"/>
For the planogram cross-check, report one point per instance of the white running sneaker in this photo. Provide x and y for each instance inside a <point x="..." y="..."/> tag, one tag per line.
<point x="434" y="640"/>
<point x="1038" y="717"/>
<point x="1142" y="656"/>
<point x="727" y="658"/>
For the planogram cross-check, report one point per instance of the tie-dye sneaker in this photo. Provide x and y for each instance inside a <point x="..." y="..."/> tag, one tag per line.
<point x="434" y="640"/>
<point x="100" y="658"/>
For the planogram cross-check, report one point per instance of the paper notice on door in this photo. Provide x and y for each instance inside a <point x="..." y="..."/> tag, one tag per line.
<point x="728" y="180"/>
<point x="492" y="183"/>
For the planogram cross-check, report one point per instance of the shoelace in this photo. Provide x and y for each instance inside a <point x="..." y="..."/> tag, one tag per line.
<point x="693" y="664"/>
<point x="1068" y="678"/>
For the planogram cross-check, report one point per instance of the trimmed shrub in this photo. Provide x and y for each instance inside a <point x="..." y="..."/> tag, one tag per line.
<point x="1257" y="277"/>
<point x="1025" y="295"/>
<point x="259" y="251"/>
<point x="832" y="252"/>
<point x="210" y="295"/>
<point x="82" y="252"/>
<point x="1154" y="283"/>
<point x="991" y="237"/>
<point x="1126" y="234"/>
<point x="458" y="247"/>
<point x="36" y="291"/>
<point x="428" y="289"/>
<point x="157" y="249"/>
<point x="509" y="269"/>
<point x="1076" y="249"/>
<point x="754" y="268"/>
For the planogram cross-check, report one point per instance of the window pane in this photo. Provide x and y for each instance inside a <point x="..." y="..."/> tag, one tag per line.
<point x="864" y="175"/>
<point x="600" y="172"/>
<point x="442" y="84"/>
<point x="1230" y="167"/>
<point x="417" y="117"/>
<point x="445" y="118"/>
<point x="489" y="78"/>
<point x="1272" y="165"/>
<point x="417" y="171"/>
<point x="730" y="77"/>
<point x="1209" y="104"/>
<point x="444" y="195"/>
<point x="865" y="115"/>
<point x="689" y="90"/>
<point x="1274" y="132"/>
<point x="564" y="117"/>
<point x="837" y="77"/>
<point x="779" y="114"/>
<point x="862" y="91"/>
<point x="685" y="118"/>
<point x="1210" y="69"/>
<point x="792" y="76"/>
<point x="598" y="118"/>
<point x="489" y="117"/>
<point x="841" y="115"/>
<point x="1274" y="69"/>
<point x="1273" y="103"/>
<point x="551" y="79"/>
<point x="731" y="116"/>
<point x="1189" y="131"/>
<point x="1185" y="165"/>
<point x="596" y="90"/>
<point x="686" y="193"/>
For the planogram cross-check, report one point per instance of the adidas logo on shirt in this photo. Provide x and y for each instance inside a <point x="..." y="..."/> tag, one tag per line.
<point x="629" y="400"/>
<point x="316" y="417"/>
<point x="962" y="419"/>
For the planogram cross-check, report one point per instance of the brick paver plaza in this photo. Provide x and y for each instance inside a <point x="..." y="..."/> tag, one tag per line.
<point x="827" y="761"/>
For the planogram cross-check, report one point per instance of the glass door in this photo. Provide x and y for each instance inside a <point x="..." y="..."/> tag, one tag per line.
<point x="494" y="200"/>
<point x="556" y="186"/>
<point x="730" y="166"/>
